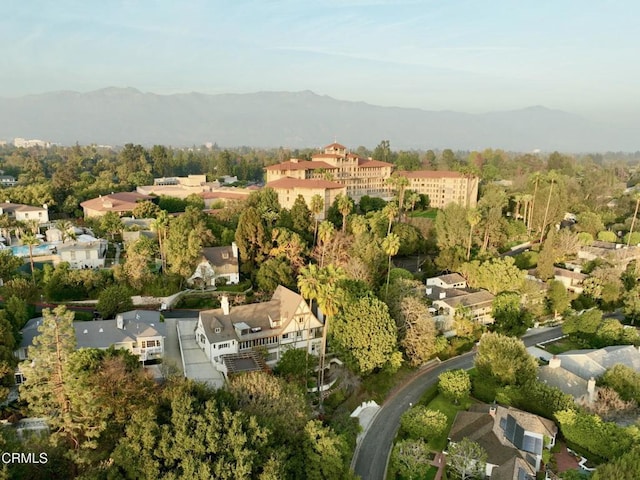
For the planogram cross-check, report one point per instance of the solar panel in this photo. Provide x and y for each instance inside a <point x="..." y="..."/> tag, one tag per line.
<point x="511" y="428"/>
<point x="518" y="437"/>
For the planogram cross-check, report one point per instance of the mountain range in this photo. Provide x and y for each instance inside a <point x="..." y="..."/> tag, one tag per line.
<point x="115" y="116"/>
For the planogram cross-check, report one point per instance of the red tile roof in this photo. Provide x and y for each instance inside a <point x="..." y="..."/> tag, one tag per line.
<point x="429" y="174"/>
<point x="224" y="195"/>
<point x="364" y="163"/>
<point x="299" y="165"/>
<point x="335" y="146"/>
<point x="288" y="182"/>
<point x="116" y="202"/>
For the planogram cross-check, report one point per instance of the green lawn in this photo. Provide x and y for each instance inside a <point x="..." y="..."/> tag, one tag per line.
<point x="431" y="213"/>
<point x="378" y="385"/>
<point x="450" y="410"/>
<point x="563" y="345"/>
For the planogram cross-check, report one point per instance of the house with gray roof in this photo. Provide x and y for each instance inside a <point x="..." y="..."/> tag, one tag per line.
<point x="513" y="439"/>
<point x="139" y="331"/>
<point x="228" y="335"/>
<point x="574" y="372"/>
<point x="216" y="263"/>
<point x="450" y="296"/>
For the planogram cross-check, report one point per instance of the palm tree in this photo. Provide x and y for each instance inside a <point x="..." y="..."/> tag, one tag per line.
<point x="516" y="211"/>
<point x="526" y="201"/>
<point x="325" y="232"/>
<point x="536" y="179"/>
<point x="473" y="218"/>
<point x="29" y="238"/>
<point x="161" y="226"/>
<point x="390" y="245"/>
<point x="6" y="225"/>
<point x="320" y="284"/>
<point x="359" y="225"/>
<point x="633" y="222"/>
<point x="66" y="230"/>
<point x="399" y="183"/>
<point x="345" y="205"/>
<point x="390" y="211"/>
<point x="414" y="197"/>
<point x="552" y="176"/>
<point x="317" y="207"/>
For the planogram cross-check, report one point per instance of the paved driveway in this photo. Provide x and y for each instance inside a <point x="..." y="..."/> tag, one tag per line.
<point x="195" y="363"/>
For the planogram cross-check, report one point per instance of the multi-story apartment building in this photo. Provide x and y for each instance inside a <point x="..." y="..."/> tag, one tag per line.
<point x="443" y="188"/>
<point x="361" y="176"/>
<point x="365" y="176"/>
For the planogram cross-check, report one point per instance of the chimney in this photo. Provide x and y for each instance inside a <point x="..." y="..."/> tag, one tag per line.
<point x="234" y="248"/>
<point x="492" y="411"/>
<point x="554" y="362"/>
<point x="429" y="290"/>
<point x="120" y="322"/>
<point x="443" y="295"/>
<point x="591" y="389"/>
<point x="224" y="303"/>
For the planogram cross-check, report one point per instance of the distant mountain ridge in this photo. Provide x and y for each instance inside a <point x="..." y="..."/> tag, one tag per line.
<point x="116" y="116"/>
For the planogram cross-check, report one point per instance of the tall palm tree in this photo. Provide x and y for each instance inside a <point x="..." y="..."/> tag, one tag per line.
<point x="633" y="222"/>
<point x="473" y="219"/>
<point x="317" y="207"/>
<point x="345" y="205"/>
<point x="320" y="284"/>
<point x="390" y="245"/>
<point x="536" y="180"/>
<point x="390" y="211"/>
<point x="161" y="227"/>
<point x="414" y="197"/>
<point x="359" y="225"/>
<point x="400" y="184"/>
<point x="325" y="233"/>
<point x="552" y="176"/>
<point x="30" y="239"/>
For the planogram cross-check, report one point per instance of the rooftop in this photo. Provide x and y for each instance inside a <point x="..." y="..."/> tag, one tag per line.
<point x="290" y="183"/>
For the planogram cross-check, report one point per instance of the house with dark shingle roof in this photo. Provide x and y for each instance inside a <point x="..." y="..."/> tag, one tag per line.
<point x="513" y="439"/>
<point x="141" y="332"/>
<point x="217" y="262"/>
<point x="228" y="334"/>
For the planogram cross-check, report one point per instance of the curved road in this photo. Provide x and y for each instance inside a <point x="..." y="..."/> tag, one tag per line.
<point x="370" y="462"/>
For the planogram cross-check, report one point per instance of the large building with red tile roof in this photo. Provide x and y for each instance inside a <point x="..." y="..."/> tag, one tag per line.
<point x="443" y="187"/>
<point x="365" y="176"/>
<point x="120" y="203"/>
<point x="360" y="176"/>
<point x="289" y="188"/>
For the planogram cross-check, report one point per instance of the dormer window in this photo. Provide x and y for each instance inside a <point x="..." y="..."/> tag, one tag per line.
<point x="218" y="330"/>
<point x="225" y="255"/>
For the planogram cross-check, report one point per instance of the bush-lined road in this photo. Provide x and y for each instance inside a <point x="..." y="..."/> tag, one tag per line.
<point x="371" y="456"/>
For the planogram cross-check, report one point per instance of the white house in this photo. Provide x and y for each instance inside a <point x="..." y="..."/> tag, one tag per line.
<point x="22" y="213"/>
<point x="83" y="252"/>
<point x="217" y="262"/>
<point x="284" y="322"/>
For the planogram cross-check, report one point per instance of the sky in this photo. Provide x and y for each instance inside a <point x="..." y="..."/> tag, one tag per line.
<point x="470" y="56"/>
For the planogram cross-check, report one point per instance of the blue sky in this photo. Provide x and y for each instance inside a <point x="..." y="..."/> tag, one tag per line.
<point x="472" y="56"/>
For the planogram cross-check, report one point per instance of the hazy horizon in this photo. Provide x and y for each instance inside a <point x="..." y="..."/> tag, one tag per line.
<point x="460" y="56"/>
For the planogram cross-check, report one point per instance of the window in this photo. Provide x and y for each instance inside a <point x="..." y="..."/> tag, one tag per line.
<point x="285" y="336"/>
<point x="223" y="345"/>
<point x="150" y="343"/>
<point x="218" y="330"/>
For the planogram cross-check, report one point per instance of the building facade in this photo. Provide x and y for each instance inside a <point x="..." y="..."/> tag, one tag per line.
<point x="284" y="322"/>
<point x="365" y="176"/>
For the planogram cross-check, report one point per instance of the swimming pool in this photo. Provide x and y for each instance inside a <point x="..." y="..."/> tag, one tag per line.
<point x="38" y="250"/>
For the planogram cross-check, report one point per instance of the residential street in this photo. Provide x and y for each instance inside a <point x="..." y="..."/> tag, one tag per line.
<point x="370" y="461"/>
